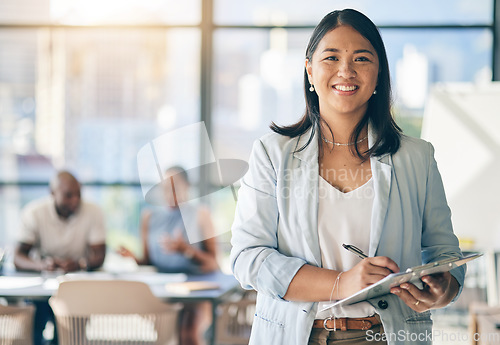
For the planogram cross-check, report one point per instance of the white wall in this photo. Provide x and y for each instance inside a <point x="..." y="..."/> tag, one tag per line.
<point x="462" y="121"/>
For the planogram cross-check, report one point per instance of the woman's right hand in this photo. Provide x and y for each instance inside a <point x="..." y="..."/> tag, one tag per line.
<point x="365" y="273"/>
<point x="125" y="252"/>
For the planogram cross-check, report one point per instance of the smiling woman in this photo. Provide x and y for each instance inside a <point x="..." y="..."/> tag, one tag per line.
<point x="364" y="180"/>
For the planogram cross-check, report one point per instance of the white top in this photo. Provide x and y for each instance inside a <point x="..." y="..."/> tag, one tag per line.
<point x="42" y="227"/>
<point x="344" y="218"/>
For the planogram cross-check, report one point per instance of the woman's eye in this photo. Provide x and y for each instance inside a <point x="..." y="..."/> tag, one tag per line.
<point x="332" y="58"/>
<point x="362" y="58"/>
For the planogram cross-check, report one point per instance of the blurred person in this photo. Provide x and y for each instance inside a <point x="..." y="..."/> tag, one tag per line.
<point x="59" y="233"/>
<point x="165" y="245"/>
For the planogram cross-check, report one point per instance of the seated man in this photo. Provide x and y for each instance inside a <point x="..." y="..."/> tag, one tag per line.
<point x="60" y="232"/>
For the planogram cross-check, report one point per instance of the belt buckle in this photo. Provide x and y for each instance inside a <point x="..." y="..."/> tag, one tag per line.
<point x="328" y="328"/>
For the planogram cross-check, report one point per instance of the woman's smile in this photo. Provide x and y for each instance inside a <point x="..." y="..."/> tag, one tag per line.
<point x="345" y="89"/>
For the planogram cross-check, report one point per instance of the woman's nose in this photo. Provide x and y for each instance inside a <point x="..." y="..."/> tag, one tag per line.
<point x="346" y="70"/>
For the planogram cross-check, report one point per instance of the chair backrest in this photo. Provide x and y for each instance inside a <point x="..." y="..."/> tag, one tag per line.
<point x="112" y="312"/>
<point x="235" y="319"/>
<point x="85" y="297"/>
<point x="16" y="325"/>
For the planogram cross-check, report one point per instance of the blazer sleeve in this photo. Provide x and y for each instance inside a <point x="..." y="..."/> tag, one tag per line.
<point x="255" y="259"/>
<point x="438" y="239"/>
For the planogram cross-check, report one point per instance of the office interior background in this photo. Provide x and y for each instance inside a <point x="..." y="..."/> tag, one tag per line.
<point x="85" y="84"/>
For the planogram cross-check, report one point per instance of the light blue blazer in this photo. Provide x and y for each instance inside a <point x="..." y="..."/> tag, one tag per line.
<point x="275" y="232"/>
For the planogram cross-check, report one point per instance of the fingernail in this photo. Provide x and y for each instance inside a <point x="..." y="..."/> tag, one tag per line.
<point x="405" y="286"/>
<point x="395" y="291"/>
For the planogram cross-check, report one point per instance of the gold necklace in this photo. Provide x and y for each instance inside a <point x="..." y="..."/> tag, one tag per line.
<point x="341" y="144"/>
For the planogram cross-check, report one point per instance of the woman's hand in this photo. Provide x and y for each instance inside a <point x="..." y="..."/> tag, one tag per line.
<point x="129" y="254"/>
<point x="365" y="273"/>
<point x="438" y="291"/>
<point x="125" y="252"/>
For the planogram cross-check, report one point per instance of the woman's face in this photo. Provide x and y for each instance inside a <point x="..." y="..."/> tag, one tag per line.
<point x="344" y="71"/>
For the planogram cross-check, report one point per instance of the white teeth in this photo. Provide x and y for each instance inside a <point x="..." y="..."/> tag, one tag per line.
<point x="345" y="88"/>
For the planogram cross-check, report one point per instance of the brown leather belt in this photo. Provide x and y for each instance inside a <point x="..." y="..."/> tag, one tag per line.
<point x="347" y="323"/>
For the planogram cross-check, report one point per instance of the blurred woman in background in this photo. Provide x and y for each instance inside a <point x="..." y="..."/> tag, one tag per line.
<point x="165" y="233"/>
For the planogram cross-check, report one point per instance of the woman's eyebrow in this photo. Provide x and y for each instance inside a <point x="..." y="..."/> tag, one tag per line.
<point x="359" y="51"/>
<point x="363" y="51"/>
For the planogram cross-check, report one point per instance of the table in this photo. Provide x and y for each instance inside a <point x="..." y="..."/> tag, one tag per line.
<point x="19" y="286"/>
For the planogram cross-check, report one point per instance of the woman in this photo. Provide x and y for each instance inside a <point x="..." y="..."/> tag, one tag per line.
<point x="343" y="174"/>
<point x="164" y="233"/>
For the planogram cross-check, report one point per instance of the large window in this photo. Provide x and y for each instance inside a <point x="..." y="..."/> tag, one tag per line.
<point x="84" y="85"/>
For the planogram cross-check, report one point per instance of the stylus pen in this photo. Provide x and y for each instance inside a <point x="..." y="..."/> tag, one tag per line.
<point x="355" y="250"/>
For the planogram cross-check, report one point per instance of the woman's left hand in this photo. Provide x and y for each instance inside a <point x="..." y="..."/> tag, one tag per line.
<point x="438" y="291"/>
<point x="174" y="243"/>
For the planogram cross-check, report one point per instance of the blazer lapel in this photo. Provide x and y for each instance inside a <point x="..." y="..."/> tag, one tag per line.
<point x="381" y="174"/>
<point x="305" y="180"/>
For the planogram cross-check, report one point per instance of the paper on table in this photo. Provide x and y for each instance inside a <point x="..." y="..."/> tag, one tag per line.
<point x="186" y="287"/>
<point x="153" y="278"/>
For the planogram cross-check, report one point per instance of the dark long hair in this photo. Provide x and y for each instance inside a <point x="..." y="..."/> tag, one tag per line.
<point x="379" y="105"/>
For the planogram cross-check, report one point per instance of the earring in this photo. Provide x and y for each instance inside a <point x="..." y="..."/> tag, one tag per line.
<point x="311" y="88"/>
<point x="375" y="92"/>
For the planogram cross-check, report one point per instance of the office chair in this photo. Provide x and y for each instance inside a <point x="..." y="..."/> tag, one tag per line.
<point x="16" y="325"/>
<point x="111" y="312"/>
<point x="235" y="319"/>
